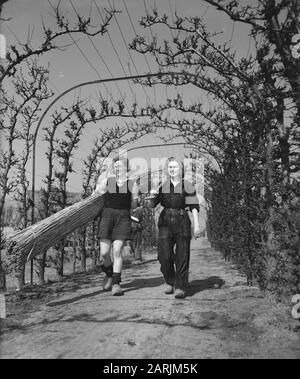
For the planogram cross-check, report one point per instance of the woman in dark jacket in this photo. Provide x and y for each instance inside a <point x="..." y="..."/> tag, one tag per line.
<point x="174" y="225"/>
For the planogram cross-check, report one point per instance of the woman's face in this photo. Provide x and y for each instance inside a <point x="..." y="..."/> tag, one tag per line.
<point x="174" y="169"/>
<point x="120" y="168"/>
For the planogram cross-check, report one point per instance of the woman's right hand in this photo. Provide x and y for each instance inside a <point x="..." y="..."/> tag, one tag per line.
<point x="149" y="201"/>
<point x="197" y="231"/>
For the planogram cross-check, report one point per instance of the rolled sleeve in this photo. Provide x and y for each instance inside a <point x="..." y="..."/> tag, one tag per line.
<point x="191" y="199"/>
<point x="157" y="199"/>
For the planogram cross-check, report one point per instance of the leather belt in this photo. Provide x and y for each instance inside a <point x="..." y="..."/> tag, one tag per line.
<point x="175" y="211"/>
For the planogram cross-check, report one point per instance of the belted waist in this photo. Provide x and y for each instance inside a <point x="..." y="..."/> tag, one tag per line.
<point x="175" y="211"/>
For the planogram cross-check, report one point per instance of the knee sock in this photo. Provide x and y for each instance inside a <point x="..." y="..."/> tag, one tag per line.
<point x="108" y="270"/>
<point x="116" y="278"/>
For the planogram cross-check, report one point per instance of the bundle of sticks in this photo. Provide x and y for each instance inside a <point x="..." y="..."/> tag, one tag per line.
<point x="26" y="244"/>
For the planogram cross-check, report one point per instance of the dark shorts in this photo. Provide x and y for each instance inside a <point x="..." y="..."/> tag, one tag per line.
<point x="115" y="224"/>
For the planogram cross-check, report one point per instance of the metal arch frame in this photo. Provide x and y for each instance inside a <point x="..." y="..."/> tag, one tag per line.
<point x="98" y="81"/>
<point x="157" y="145"/>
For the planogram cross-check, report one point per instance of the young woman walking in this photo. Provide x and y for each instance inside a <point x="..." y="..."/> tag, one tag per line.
<point x="174" y="225"/>
<point x="121" y="194"/>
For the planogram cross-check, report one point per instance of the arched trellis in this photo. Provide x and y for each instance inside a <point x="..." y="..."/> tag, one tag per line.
<point x="80" y="85"/>
<point x="26" y="244"/>
<point x="97" y="81"/>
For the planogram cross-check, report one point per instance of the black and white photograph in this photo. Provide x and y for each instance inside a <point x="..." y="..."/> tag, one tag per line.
<point x="149" y="182"/>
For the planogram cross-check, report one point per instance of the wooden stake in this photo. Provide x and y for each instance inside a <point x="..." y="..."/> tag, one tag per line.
<point x="2" y="306"/>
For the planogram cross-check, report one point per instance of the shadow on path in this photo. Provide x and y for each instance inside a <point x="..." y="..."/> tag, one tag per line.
<point x="208" y="320"/>
<point x="143" y="283"/>
<point x="213" y="282"/>
<point x="73" y="299"/>
<point x="131" y="286"/>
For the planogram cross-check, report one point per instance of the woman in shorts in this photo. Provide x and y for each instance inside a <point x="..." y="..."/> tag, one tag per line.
<point x="121" y="194"/>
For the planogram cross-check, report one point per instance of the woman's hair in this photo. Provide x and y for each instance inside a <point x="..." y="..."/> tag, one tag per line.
<point x="174" y="159"/>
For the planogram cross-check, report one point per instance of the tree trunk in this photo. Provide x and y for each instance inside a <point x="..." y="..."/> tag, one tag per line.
<point x="99" y="256"/>
<point x="93" y="244"/>
<point x="2" y="278"/>
<point x="83" y="260"/>
<point x="284" y="154"/>
<point x="60" y="257"/>
<point x="98" y="252"/>
<point x="41" y="268"/>
<point x="2" y="272"/>
<point x="269" y="194"/>
<point x="94" y="258"/>
<point x="82" y="241"/>
<point x="75" y="256"/>
<point x="20" y="276"/>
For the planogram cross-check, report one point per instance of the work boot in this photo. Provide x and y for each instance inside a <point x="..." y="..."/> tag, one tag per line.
<point x="107" y="283"/>
<point x="169" y="289"/>
<point x="116" y="290"/>
<point x="179" y="294"/>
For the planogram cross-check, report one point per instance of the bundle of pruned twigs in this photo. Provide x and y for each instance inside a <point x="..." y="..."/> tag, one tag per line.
<point x="26" y="244"/>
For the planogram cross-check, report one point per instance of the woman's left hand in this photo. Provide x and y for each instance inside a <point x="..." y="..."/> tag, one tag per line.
<point x="197" y="231"/>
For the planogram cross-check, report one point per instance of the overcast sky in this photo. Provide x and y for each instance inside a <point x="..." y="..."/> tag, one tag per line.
<point x="70" y="67"/>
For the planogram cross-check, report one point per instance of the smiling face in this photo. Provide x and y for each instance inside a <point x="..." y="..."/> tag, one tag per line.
<point x="174" y="169"/>
<point x="120" y="168"/>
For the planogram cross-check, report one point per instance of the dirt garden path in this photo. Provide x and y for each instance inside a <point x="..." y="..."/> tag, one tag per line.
<point x="221" y="317"/>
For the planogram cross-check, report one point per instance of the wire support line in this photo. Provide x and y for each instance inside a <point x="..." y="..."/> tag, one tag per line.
<point x="114" y="48"/>
<point x="105" y="64"/>
<point x="147" y="13"/>
<point x="135" y="32"/>
<point x="81" y="52"/>
<point x="129" y="53"/>
<point x="173" y="20"/>
<point x="90" y="39"/>
<point x="136" y="35"/>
